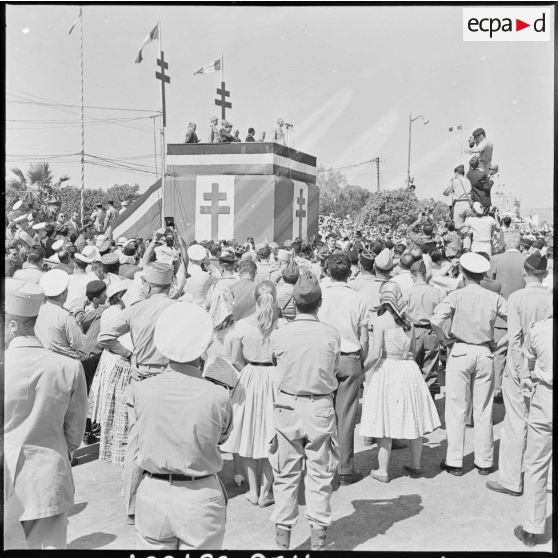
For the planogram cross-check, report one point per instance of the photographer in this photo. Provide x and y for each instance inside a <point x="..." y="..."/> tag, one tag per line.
<point x="426" y="234"/>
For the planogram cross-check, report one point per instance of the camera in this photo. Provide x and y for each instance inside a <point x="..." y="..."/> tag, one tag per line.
<point x="169" y="222"/>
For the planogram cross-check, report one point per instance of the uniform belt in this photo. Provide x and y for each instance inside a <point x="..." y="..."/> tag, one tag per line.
<point x="150" y="366"/>
<point x="176" y="477"/>
<point x="423" y="326"/>
<point x="349" y="354"/>
<point x="485" y="344"/>
<point x="260" y="363"/>
<point x="306" y="396"/>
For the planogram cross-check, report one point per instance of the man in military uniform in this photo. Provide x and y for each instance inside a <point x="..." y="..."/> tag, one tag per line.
<point x="537" y="380"/>
<point x="55" y="327"/>
<point x="471" y="312"/>
<point x="525" y="307"/>
<point x="111" y="214"/>
<point x="139" y="320"/>
<point x="213" y="130"/>
<point x="44" y="420"/>
<point x="177" y="421"/>
<point x="306" y="353"/>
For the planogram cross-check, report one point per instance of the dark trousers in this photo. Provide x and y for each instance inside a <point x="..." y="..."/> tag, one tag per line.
<point x="346" y="406"/>
<point x="426" y="351"/>
<point x="90" y="367"/>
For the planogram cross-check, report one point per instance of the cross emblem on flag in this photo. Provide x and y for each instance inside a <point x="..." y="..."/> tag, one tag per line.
<point x="300" y="209"/>
<point x="214" y="220"/>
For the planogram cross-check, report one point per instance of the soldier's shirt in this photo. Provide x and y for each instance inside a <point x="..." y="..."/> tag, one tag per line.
<point x="44" y="420"/>
<point x="526" y="306"/>
<point x="177" y="421"/>
<point x="538" y="345"/>
<point x="371" y="294"/>
<point x="307" y="355"/>
<point x="31" y="274"/>
<point x="344" y="309"/>
<point x="422" y="299"/>
<point x="139" y="320"/>
<point x="473" y="312"/>
<point x="58" y="330"/>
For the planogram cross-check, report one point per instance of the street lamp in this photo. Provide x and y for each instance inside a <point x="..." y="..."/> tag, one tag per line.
<point x="411" y="120"/>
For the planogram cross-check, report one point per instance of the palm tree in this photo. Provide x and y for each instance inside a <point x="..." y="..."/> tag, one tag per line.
<point x="37" y="190"/>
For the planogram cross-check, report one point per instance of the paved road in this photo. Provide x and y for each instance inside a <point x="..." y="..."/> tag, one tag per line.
<point x="437" y="512"/>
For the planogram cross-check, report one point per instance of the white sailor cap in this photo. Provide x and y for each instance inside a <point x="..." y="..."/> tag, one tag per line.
<point x="58" y="245"/>
<point x="39" y="226"/>
<point x="54" y="282"/>
<point x="473" y="262"/>
<point x="179" y="321"/>
<point x="197" y="252"/>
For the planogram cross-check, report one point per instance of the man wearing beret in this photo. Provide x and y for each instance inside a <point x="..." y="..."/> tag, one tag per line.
<point x="139" y="320"/>
<point x="466" y="317"/>
<point x="88" y="316"/>
<point x="482" y="148"/>
<point x="45" y="411"/>
<point x="525" y="307"/>
<point x="306" y="353"/>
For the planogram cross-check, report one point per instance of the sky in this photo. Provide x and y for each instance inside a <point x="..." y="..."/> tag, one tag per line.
<point x="347" y="78"/>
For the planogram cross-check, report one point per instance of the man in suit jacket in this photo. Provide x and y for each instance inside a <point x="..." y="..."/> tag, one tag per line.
<point x="73" y="224"/>
<point x="45" y="412"/>
<point x="507" y="269"/>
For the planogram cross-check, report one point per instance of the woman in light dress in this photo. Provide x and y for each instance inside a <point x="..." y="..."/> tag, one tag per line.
<point x="397" y="403"/>
<point x="253" y="396"/>
<point x="107" y="397"/>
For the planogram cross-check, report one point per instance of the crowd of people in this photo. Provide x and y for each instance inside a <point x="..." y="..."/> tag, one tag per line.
<point x="169" y="354"/>
<point x="222" y="132"/>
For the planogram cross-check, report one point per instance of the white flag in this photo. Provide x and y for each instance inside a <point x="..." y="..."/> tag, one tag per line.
<point x="210" y="68"/>
<point x="154" y="34"/>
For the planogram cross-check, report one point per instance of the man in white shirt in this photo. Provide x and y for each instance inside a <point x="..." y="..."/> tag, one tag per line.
<point x="345" y="309"/>
<point x="404" y="278"/>
<point x="460" y="191"/>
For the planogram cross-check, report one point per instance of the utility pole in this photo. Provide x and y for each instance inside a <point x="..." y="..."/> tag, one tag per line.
<point x="377" y="161"/>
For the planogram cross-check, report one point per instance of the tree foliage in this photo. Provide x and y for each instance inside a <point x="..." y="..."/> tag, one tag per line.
<point x="37" y="189"/>
<point x="391" y="208"/>
<point x="46" y="197"/>
<point x="339" y="197"/>
<point x="71" y="197"/>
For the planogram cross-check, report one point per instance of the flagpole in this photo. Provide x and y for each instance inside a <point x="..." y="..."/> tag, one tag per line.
<point x="163" y="147"/>
<point x="461" y="136"/>
<point x="82" y="121"/>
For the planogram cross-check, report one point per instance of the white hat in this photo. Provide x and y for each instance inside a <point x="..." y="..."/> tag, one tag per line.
<point x="99" y="241"/>
<point x="58" y="245"/>
<point x="164" y="254"/>
<point x="284" y="255"/>
<point x="17" y="205"/>
<point x="39" y="226"/>
<point x="83" y="258"/>
<point x="92" y="253"/>
<point x="179" y="321"/>
<point x="54" y="282"/>
<point x="158" y="273"/>
<point x="477" y="208"/>
<point x="197" y="252"/>
<point x="20" y="219"/>
<point x="22" y="298"/>
<point x="384" y="260"/>
<point x="475" y="263"/>
<point x="118" y="286"/>
<point x="122" y="241"/>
